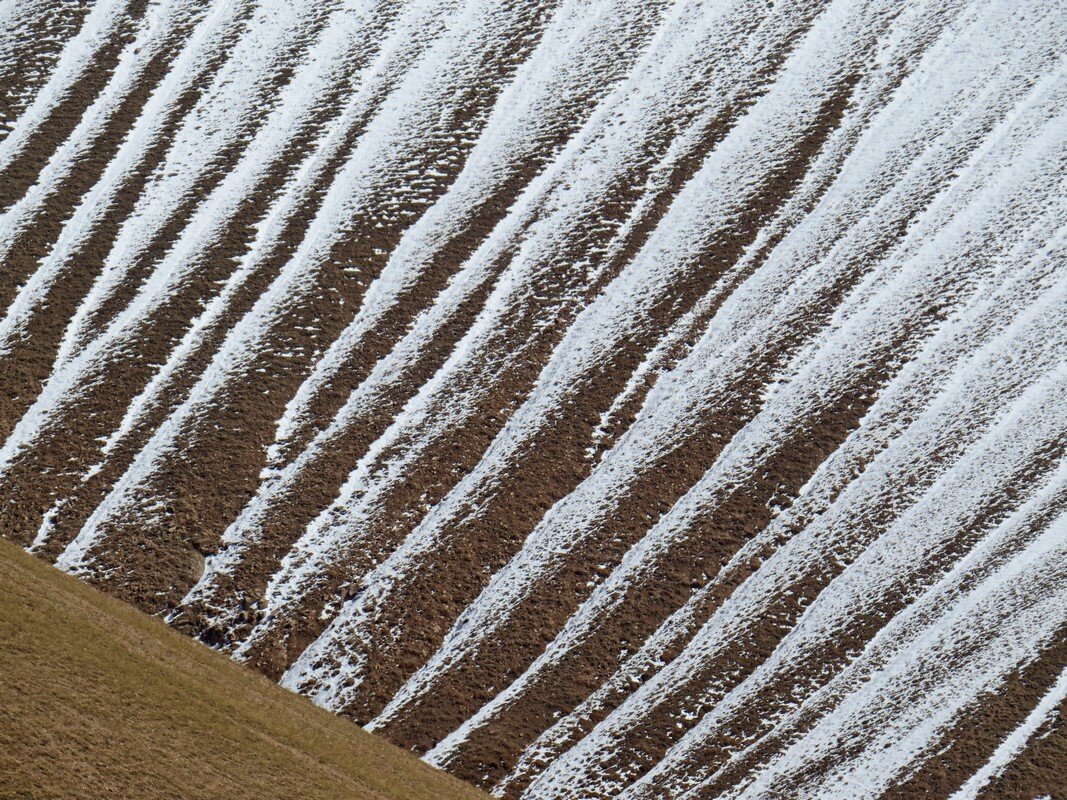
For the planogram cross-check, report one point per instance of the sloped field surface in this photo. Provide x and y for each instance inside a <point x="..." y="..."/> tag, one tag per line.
<point x="100" y="701"/>
<point x="604" y="399"/>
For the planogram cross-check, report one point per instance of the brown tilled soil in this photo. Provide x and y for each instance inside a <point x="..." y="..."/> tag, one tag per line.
<point x="127" y="709"/>
<point x="1040" y="771"/>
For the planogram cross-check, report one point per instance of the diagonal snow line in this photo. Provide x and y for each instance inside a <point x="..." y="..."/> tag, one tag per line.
<point x="894" y="650"/>
<point x="814" y="500"/>
<point x="655" y="543"/>
<point x="496" y="600"/>
<point x="872" y="567"/>
<point x="150" y="39"/>
<point x="1010" y="748"/>
<point x="320" y="70"/>
<point x="93" y="206"/>
<point x="803" y="261"/>
<point x="663" y="244"/>
<point x="825" y="603"/>
<point x="72" y="367"/>
<point x="494" y="144"/>
<point x="215" y="121"/>
<point x="357" y="175"/>
<point x="388" y="370"/>
<point x="949" y="401"/>
<point x="75" y="59"/>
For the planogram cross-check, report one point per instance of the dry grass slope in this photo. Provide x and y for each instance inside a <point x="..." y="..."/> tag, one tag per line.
<point x="99" y="700"/>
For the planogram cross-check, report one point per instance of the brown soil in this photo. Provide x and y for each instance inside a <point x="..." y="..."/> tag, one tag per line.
<point x="154" y="543"/>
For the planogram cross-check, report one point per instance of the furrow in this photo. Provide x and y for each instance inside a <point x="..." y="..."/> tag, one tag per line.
<point x="545" y="249"/>
<point x="284" y="325"/>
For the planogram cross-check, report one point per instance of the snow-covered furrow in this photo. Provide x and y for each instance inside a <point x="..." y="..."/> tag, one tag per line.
<point x="138" y="140"/>
<point x="31" y="42"/>
<point x="917" y="540"/>
<point x="387" y="145"/>
<point x="326" y="64"/>
<point x="102" y="22"/>
<point x="19" y="22"/>
<point x="922" y="678"/>
<point x="326" y="68"/>
<point x="630" y="298"/>
<point x="601" y="398"/>
<point x="1013" y="320"/>
<point x="81" y="374"/>
<point x="781" y="576"/>
<point x="188" y="154"/>
<point x="559" y="535"/>
<point x="388" y="372"/>
<point x="222" y="116"/>
<point x="1010" y="747"/>
<point x="658" y="252"/>
<point x="750" y="452"/>
<point x="1054" y="317"/>
<point x="1036" y="518"/>
<point x="515" y="124"/>
<point x="537" y="111"/>
<point x="152" y="36"/>
<point x="874" y="476"/>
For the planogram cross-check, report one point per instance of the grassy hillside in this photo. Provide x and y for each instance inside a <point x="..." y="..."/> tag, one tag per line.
<point x="99" y="700"/>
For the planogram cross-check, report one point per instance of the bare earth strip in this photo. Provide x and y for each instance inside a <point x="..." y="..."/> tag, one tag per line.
<point x="601" y="399"/>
